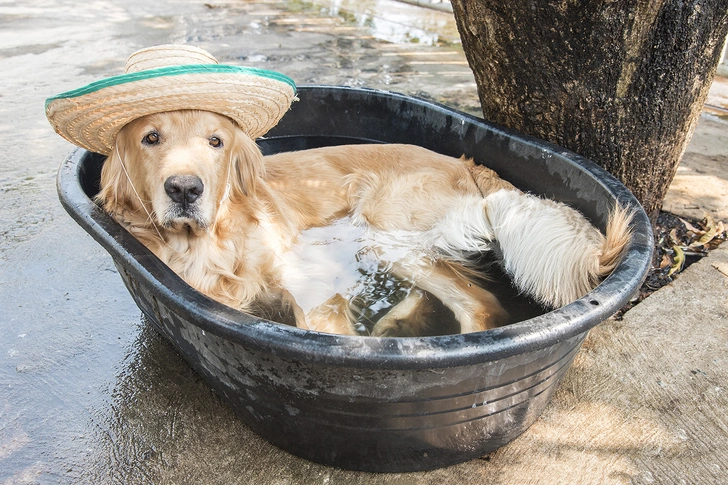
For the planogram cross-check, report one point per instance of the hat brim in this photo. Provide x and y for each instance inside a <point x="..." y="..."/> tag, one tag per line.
<point x="91" y="117"/>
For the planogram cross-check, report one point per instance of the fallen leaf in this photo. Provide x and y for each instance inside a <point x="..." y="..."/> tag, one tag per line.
<point x="721" y="228"/>
<point x="691" y="228"/>
<point x="710" y="233"/>
<point x="666" y="261"/>
<point x="678" y="261"/>
<point x="673" y="237"/>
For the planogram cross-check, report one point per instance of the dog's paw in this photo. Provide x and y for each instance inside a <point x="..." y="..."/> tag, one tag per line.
<point x="333" y="316"/>
<point x="404" y="319"/>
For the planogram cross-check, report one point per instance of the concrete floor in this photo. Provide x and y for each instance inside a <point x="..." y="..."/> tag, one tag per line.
<point x="90" y="394"/>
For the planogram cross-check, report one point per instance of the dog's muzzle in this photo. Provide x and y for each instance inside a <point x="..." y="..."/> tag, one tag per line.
<point x="184" y="191"/>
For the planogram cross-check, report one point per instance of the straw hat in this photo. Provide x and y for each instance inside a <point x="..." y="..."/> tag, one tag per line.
<point x="167" y="78"/>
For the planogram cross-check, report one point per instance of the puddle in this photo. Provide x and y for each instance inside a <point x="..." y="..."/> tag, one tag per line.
<point x="388" y="20"/>
<point x="380" y="44"/>
<point x="716" y="112"/>
<point x="19" y="220"/>
<point x="34" y="49"/>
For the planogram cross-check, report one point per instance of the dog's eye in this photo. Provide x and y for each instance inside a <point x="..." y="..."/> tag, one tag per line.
<point x="151" y="138"/>
<point x="215" y="142"/>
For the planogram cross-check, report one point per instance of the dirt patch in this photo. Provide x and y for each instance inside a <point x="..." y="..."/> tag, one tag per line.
<point x="679" y="242"/>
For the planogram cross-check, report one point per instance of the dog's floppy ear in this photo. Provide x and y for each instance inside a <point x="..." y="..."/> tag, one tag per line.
<point x="247" y="167"/>
<point x="116" y="193"/>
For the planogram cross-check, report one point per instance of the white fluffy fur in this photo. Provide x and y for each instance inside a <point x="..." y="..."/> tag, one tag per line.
<point x="550" y="250"/>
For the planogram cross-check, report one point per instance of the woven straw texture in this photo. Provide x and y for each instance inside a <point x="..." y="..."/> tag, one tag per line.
<point x="161" y="79"/>
<point x="167" y="55"/>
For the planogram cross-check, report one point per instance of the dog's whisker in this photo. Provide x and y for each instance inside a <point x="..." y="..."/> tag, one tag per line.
<point x="225" y="196"/>
<point x="141" y="201"/>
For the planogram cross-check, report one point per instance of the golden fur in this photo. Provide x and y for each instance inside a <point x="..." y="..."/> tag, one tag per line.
<point x="247" y="211"/>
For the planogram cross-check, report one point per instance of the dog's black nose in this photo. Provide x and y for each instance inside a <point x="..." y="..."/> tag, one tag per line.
<point x="184" y="189"/>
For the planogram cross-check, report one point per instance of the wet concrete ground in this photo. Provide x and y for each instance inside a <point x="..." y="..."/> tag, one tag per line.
<point x="90" y="394"/>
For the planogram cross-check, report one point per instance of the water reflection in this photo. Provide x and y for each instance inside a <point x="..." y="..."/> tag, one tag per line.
<point x="160" y="422"/>
<point x="387" y="20"/>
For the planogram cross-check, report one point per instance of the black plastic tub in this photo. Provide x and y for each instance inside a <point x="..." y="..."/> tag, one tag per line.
<point x="380" y="404"/>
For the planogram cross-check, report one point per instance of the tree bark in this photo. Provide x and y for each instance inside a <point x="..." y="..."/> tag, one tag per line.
<point x="620" y="82"/>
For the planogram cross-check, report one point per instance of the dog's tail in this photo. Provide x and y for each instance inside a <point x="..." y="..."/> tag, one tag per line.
<point x="550" y="250"/>
<point x="617" y="238"/>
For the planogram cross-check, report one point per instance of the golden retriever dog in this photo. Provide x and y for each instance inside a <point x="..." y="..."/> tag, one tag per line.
<point x="194" y="189"/>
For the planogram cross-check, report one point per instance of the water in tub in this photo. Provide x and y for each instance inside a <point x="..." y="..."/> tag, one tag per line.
<point x="356" y="262"/>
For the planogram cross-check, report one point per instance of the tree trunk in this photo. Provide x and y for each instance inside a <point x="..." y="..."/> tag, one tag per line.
<point x="620" y="82"/>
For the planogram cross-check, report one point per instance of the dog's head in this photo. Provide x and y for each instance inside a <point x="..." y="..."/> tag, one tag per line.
<point x="182" y="165"/>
